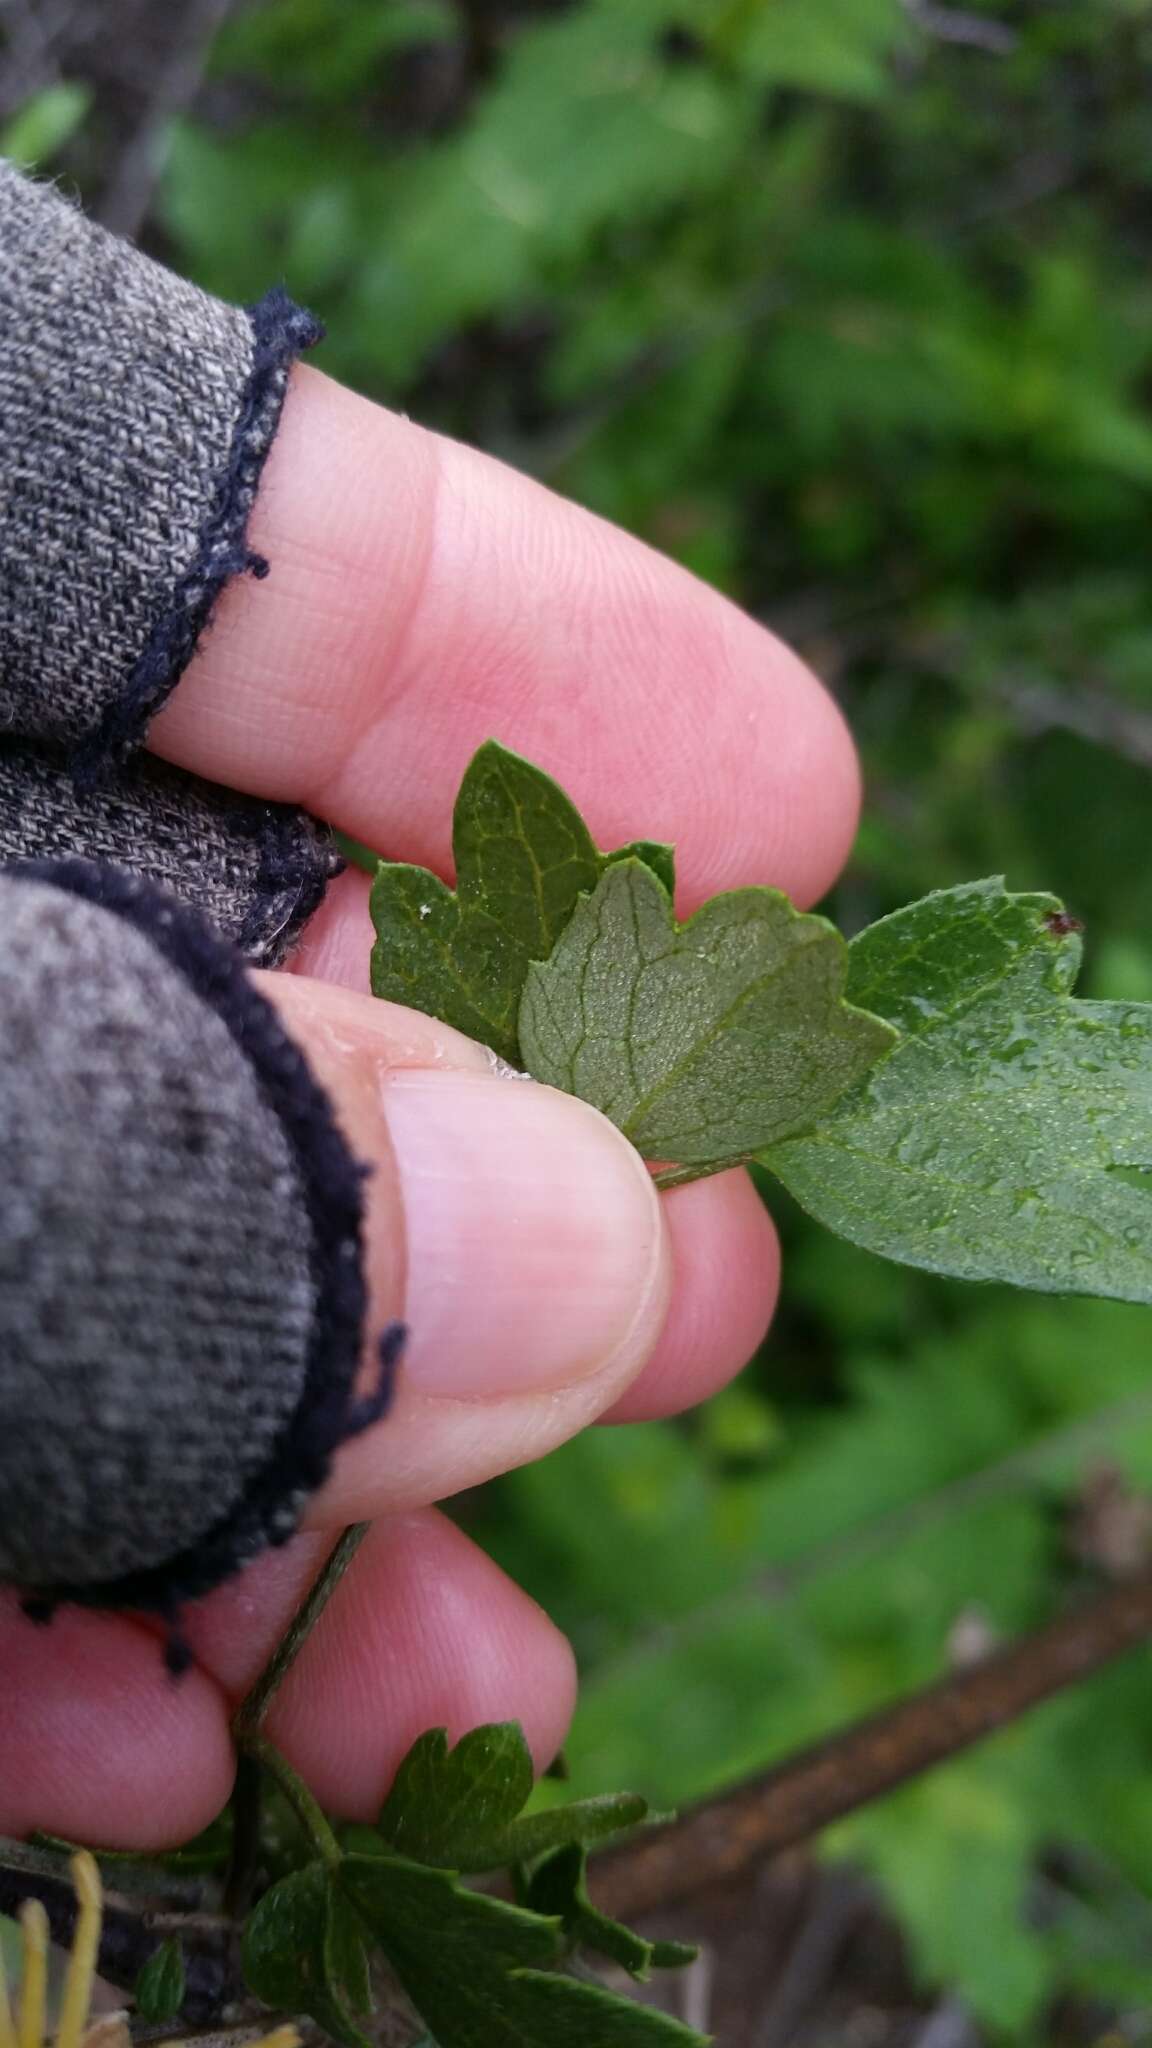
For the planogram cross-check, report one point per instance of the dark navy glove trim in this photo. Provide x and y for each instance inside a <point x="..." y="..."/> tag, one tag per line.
<point x="281" y="330"/>
<point x="332" y="1183"/>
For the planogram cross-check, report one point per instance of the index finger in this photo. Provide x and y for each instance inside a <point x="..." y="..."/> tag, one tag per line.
<point x="424" y="598"/>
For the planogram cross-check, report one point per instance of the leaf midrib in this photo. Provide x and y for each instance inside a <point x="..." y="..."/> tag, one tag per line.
<point x="720" y="1024"/>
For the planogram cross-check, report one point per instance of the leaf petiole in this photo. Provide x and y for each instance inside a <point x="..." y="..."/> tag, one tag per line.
<point x="307" y="1809"/>
<point x="249" y="1716"/>
<point x="254" y="1706"/>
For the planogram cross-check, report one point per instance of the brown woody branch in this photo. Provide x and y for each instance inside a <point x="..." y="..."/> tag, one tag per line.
<point x="784" y="1806"/>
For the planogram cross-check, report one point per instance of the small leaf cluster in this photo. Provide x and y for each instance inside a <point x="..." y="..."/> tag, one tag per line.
<point x="477" y="1968"/>
<point x="933" y="1091"/>
<point x="744" y="1586"/>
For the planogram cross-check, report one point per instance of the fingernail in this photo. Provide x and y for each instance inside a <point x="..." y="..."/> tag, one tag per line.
<point x="535" y="1249"/>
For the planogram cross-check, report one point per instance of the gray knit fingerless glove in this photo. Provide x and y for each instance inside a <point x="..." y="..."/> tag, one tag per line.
<point x="135" y="416"/>
<point x="258" y="870"/>
<point x="181" y="1285"/>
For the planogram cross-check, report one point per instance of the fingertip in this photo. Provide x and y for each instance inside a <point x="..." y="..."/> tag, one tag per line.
<point x="336" y="944"/>
<point x="726" y="1277"/>
<point x="774" y="794"/>
<point x="425" y="598"/>
<point x="98" y="1743"/>
<point x="425" y="1632"/>
<point x="819" y="793"/>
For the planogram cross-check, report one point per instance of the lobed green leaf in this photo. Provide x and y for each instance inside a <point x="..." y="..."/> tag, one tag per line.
<point x="477" y="1970"/>
<point x="523" y="856"/>
<point x="460" y="1808"/>
<point x="704" y="1041"/>
<point x="560" y="1886"/>
<point x="1009" y="1135"/>
<point x="304" y="1951"/>
<point x="454" y="1807"/>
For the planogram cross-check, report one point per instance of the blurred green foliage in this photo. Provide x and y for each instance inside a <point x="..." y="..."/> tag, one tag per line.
<point x="849" y="306"/>
<point x="44" y="124"/>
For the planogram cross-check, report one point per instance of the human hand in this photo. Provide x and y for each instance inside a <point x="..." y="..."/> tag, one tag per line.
<point x="423" y="599"/>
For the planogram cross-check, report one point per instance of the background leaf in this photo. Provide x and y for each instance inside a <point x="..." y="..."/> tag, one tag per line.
<point x="44" y="124"/>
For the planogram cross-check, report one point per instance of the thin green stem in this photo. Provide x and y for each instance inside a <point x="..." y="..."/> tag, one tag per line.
<point x="307" y="1810"/>
<point x="250" y="1714"/>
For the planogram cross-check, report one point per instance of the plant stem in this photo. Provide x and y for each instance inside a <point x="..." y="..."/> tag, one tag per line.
<point x="718" y="1840"/>
<point x="243" y="1864"/>
<point x="307" y="1810"/>
<point x="250" y="1714"/>
<point x="255" y="1750"/>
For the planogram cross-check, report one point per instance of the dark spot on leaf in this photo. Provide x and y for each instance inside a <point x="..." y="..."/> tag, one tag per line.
<point x="1061" y="922"/>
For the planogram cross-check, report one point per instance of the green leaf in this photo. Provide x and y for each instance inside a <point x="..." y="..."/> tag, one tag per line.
<point x="345" y="1956"/>
<point x="11" y="1949"/>
<point x="661" y="859"/>
<point x="476" y="1969"/>
<point x="705" y="1041"/>
<point x="523" y="856"/>
<point x="44" y="124"/>
<point x="840" y="48"/>
<point x="581" y="1821"/>
<point x="160" y="1985"/>
<point x="929" y="958"/>
<point x="304" y="1952"/>
<point x="560" y="1886"/>
<point x="457" y="1808"/>
<point x="1009" y="1136"/>
<point x="554" y="2011"/>
<point x="454" y="1807"/>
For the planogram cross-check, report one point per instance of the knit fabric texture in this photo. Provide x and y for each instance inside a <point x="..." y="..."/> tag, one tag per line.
<point x="258" y="870"/>
<point x="137" y="413"/>
<point x="181" y="1294"/>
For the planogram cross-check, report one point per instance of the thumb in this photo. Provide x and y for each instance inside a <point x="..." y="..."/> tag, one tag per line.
<point x="511" y="1227"/>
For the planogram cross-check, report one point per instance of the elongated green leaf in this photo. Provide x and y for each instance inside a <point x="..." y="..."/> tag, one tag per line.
<point x="704" y="1041"/>
<point x="554" y="2011"/>
<point x="523" y="856"/>
<point x="581" y="1821"/>
<point x="1009" y="1136"/>
<point x="44" y="124"/>
<point x="476" y="1969"/>
<point x="160" y="1985"/>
